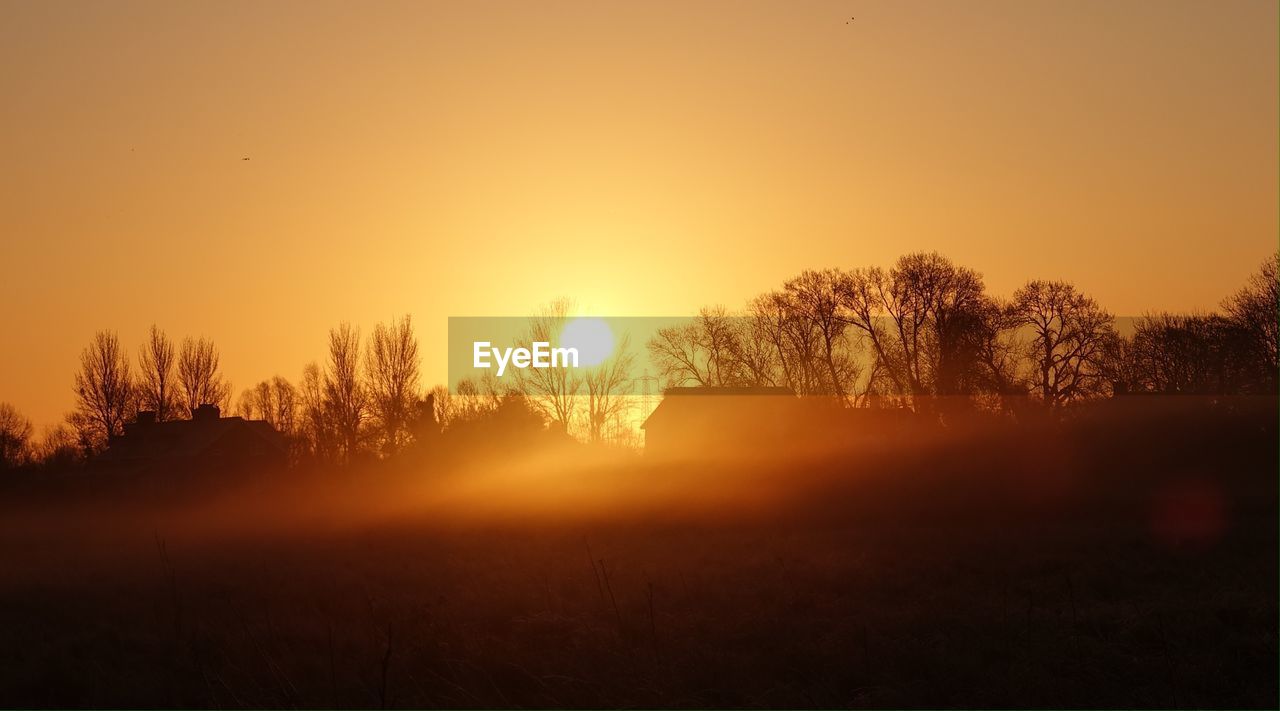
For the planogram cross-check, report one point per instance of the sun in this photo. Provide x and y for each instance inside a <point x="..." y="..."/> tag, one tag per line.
<point x="591" y="336"/>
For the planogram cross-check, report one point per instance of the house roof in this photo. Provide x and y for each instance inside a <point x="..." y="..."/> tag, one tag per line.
<point x="718" y="390"/>
<point x="709" y="399"/>
<point x="187" y="438"/>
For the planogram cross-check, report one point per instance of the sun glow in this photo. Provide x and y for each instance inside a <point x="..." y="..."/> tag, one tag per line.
<point x="591" y="336"/>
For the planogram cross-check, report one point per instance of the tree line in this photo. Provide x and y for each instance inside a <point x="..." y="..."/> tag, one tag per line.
<point x="923" y="334"/>
<point x="361" y="399"/>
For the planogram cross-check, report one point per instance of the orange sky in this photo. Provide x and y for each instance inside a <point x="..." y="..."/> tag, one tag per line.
<point x="481" y="158"/>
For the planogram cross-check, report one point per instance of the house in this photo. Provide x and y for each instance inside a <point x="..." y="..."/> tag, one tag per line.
<point x="760" y="423"/>
<point x="207" y="439"/>
<point x="717" y="421"/>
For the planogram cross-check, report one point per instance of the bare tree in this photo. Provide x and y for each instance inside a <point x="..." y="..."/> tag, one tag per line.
<point x="474" y="400"/>
<point x="705" y="351"/>
<point x="284" y="401"/>
<point x="1256" y="309"/>
<point x="550" y="391"/>
<point x="15" y="437"/>
<point x="57" y="447"/>
<point x="977" y="354"/>
<point x="157" y="365"/>
<point x="817" y="299"/>
<point x="1158" y="354"/>
<point x="678" y="353"/>
<point x="247" y="404"/>
<point x="274" y="401"/>
<point x="1191" y="353"/>
<point x="606" y="385"/>
<point x="719" y="340"/>
<point x="423" y="423"/>
<point x="346" y="401"/>
<point x="265" y="402"/>
<point x="1119" y="365"/>
<point x="87" y="434"/>
<point x="443" y="406"/>
<point x="199" y="376"/>
<point x="1069" y="335"/>
<point x="792" y="342"/>
<point x="997" y="351"/>
<point x="913" y="317"/>
<point x="756" y="348"/>
<point x="104" y="389"/>
<point x="315" y="426"/>
<point x="392" y="374"/>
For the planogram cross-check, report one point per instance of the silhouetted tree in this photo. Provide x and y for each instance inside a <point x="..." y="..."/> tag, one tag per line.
<point x="346" y="400"/>
<point x="1255" y="309"/>
<point x="392" y="375"/>
<point x="1119" y="365"/>
<point x="88" y="436"/>
<point x="424" y="425"/>
<point x="57" y="447"/>
<point x="914" y="318"/>
<point x="274" y="401"/>
<point x="791" y="344"/>
<point x="976" y="354"/>
<point x="474" y="400"/>
<point x="701" y="352"/>
<point x="677" y="351"/>
<point x="468" y="403"/>
<point x="606" y="385"/>
<point x="199" y="376"/>
<point x="491" y="418"/>
<point x="817" y="299"/>
<point x="998" y="353"/>
<point x="157" y="366"/>
<point x="1192" y="354"/>
<point x="247" y="404"/>
<point x="550" y="391"/>
<point x="1069" y="333"/>
<point x="284" y="401"/>
<point x="315" y="426"/>
<point x="443" y="406"/>
<point x="756" y="346"/>
<point x="104" y="390"/>
<point x="15" y="437"/>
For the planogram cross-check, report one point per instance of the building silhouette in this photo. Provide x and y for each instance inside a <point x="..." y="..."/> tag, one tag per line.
<point x="697" y="421"/>
<point x="206" y="440"/>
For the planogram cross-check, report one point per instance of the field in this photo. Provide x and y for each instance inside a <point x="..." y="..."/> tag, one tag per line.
<point x="1113" y="562"/>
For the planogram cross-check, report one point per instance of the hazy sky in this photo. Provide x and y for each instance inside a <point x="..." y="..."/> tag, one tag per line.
<point x="481" y="158"/>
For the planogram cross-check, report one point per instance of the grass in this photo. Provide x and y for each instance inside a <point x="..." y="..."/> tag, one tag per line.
<point x="922" y="578"/>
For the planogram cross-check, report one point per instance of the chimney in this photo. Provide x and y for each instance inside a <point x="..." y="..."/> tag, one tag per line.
<point x="205" y="413"/>
<point x="146" y="417"/>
